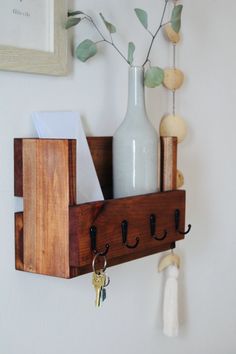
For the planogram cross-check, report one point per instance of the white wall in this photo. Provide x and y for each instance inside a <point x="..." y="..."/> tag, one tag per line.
<point x="43" y="315"/>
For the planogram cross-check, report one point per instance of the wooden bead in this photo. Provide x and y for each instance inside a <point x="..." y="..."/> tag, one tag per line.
<point x="179" y="179"/>
<point x="173" y="125"/>
<point x="173" y="78"/>
<point x="170" y="34"/>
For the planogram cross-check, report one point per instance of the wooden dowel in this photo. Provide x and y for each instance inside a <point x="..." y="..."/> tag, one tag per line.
<point x="168" y="163"/>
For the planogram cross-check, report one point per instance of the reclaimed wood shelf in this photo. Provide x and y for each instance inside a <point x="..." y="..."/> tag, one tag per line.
<point x="52" y="234"/>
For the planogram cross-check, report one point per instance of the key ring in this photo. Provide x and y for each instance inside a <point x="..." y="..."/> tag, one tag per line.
<point x="94" y="261"/>
<point x="108" y="282"/>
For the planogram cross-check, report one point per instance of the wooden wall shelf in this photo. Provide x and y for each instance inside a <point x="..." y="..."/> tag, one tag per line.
<point x="52" y="235"/>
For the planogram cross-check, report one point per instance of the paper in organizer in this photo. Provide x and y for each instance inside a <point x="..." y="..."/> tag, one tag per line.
<point x="68" y="125"/>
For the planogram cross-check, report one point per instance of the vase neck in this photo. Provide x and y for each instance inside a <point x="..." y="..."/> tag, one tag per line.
<point x="136" y="96"/>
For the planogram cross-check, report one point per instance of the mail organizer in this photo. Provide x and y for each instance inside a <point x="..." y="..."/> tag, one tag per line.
<point x="54" y="236"/>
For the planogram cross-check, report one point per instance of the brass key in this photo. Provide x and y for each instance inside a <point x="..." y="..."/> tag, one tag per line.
<point x="99" y="280"/>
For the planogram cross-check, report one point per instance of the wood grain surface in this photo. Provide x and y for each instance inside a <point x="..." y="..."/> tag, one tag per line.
<point x="18" y="168"/>
<point x="19" y="239"/>
<point x="101" y="151"/>
<point x="52" y="235"/>
<point x="107" y="217"/>
<point x="168" y="163"/>
<point x="46" y="203"/>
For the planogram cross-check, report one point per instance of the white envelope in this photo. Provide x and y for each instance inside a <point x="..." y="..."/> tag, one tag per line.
<point x="68" y="125"/>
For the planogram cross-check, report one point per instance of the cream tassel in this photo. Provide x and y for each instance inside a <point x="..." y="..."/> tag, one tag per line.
<point x="170" y="304"/>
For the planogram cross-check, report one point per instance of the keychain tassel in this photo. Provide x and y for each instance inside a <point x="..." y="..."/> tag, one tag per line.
<point x="170" y="304"/>
<point x="170" y="263"/>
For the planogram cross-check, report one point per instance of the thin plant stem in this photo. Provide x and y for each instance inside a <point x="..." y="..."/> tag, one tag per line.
<point x="114" y="46"/>
<point x="106" y="40"/>
<point x="157" y="31"/>
<point x="111" y="42"/>
<point x="101" y="40"/>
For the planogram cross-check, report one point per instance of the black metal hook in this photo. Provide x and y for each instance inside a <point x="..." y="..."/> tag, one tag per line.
<point x="124" y="229"/>
<point x="153" y="229"/>
<point x="93" y="237"/>
<point x="177" y="219"/>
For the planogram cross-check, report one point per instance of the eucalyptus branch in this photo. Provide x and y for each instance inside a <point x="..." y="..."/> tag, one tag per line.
<point x="117" y="49"/>
<point x="89" y="18"/>
<point x="102" y="40"/>
<point x="111" y="42"/>
<point x="156" y="33"/>
<point x="151" y="34"/>
<point x="154" y="75"/>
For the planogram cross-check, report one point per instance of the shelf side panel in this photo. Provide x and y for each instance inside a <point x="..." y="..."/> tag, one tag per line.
<point x="18" y="166"/>
<point x="19" y="247"/>
<point x="168" y="163"/>
<point x="18" y="177"/>
<point x="46" y="204"/>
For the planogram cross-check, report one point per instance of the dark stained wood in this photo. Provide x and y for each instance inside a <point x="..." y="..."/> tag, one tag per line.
<point x="18" y="180"/>
<point x="18" y="166"/>
<point x="55" y="239"/>
<point x="72" y="171"/>
<point x="168" y="163"/>
<point x="19" y="247"/>
<point x="46" y="206"/>
<point x="101" y="151"/>
<point x="75" y="246"/>
<point x="107" y="217"/>
<point x="76" y="271"/>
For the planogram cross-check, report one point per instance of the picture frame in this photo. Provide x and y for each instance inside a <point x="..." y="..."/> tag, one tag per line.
<point x="48" y="62"/>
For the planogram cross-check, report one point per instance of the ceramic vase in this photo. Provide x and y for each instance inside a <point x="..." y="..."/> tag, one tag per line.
<point x="135" y="145"/>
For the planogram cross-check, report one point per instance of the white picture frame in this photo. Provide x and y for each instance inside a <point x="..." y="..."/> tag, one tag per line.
<point x="51" y="62"/>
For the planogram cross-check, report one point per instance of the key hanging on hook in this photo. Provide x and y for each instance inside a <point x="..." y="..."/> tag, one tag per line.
<point x="100" y="280"/>
<point x="93" y="237"/>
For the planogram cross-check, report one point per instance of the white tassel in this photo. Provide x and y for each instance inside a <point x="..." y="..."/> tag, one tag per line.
<point x="170" y="305"/>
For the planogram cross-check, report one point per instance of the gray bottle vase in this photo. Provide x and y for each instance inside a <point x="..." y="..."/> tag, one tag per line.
<point x="135" y="145"/>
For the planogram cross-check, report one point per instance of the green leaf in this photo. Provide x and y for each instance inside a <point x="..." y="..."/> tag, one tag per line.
<point x="72" y="22"/>
<point x="86" y="50"/>
<point x="131" y="49"/>
<point x="74" y="13"/>
<point x="110" y="27"/>
<point x="176" y="18"/>
<point x="142" y="16"/>
<point x="154" y="77"/>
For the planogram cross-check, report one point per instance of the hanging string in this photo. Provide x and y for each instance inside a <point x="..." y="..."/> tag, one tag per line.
<point x="174" y="61"/>
<point x="173" y="103"/>
<point x="173" y="92"/>
<point x="174" y="55"/>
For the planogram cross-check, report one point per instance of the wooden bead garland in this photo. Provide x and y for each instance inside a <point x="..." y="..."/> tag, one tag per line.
<point x="180" y="179"/>
<point x="172" y="124"/>
<point x="173" y="36"/>
<point x="173" y="78"/>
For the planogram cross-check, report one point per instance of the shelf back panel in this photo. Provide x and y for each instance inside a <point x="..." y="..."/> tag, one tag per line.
<point x="101" y="151"/>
